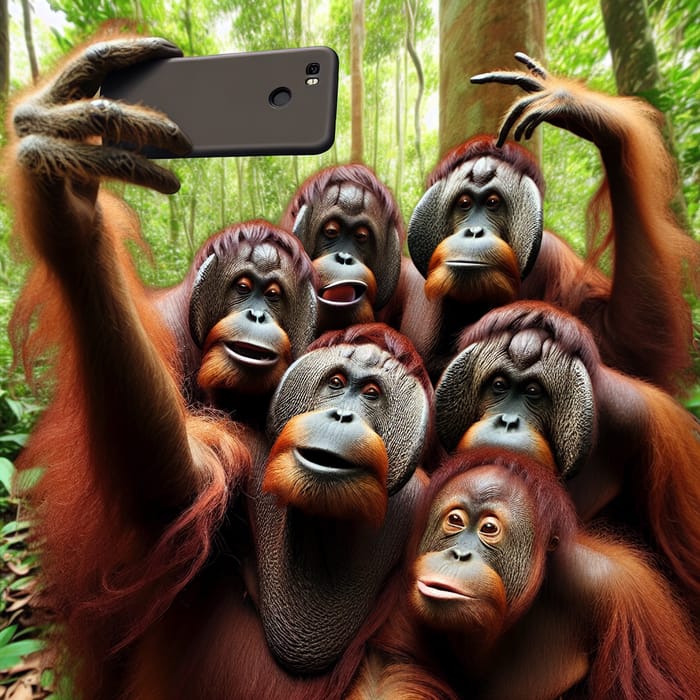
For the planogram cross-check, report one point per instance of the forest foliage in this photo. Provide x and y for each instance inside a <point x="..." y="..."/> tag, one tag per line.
<point x="400" y="146"/>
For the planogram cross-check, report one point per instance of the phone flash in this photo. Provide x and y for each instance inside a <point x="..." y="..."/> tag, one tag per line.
<point x="312" y="81"/>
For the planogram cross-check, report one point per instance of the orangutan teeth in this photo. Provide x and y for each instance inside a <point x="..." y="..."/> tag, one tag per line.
<point x="465" y="263"/>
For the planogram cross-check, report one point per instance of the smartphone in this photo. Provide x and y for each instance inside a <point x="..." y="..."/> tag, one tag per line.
<point x="277" y="102"/>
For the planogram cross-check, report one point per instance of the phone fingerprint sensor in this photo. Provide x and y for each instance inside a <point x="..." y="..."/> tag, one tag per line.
<point x="280" y="97"/>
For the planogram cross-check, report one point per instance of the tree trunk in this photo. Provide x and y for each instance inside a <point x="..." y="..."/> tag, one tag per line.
<point x="190" y="224"/>
<point x="632" y="48"/>
<point x="399" y="130"/>
<point x="357" y="37"/>
<point x="411" y="9"/>
<point x="636" y="67"/>
<point x="239" y="182"/>
<point x="222" y="192"/>
<point x="173" y="221"/>
<point x="478" y="37"/>
<point x="285" y="23"/>
<point x="4" y="54"/>
<point x="187" y="21"/>
<point x="29" y="40"/>
<point x="377" y="102"/>
<point x="298" y="25"/>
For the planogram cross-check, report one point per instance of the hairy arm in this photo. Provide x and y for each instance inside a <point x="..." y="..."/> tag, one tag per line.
<point x="645" y="328"/>
<point x="114" y="353"/>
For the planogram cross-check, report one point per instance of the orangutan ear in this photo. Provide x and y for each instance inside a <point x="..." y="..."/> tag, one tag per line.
<point x="206" y="305"/>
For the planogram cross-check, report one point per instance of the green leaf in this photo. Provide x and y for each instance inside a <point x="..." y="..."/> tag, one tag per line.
<point x="14" y="526"/>
<point x="7" y="634"/>
<point x="19" y="583"/>
<point x="28" y="478"/>
<point x="48" y="678"/>
<point x="18" y="438"/>
<point x="12" y="654"/>
<point x="7" y="471"/>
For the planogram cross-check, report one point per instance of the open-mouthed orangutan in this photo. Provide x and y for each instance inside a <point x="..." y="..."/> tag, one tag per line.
<point x="350" y="225"/>
<point x="152" y="561"/>
<point x="245" y="310"/>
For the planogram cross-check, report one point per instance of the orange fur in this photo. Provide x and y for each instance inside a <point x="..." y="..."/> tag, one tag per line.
<point x="639" y="315"/>
<point x="218" y="372"/>
<point x="353" y="496"/>
<point x="670" y="488"/>
<point x="117" y="544"/>
<point x="500" y="284"/>
<point x="618" y="633"/>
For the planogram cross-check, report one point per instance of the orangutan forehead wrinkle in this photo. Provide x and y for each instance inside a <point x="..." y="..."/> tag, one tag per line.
<point x="371" y="357"/>
<point x="265" y="257"/>
<point x="368" y="355"/>
<point x="480" y="171"/>
<point x="352" y="198"/>
<point x="525" y="348"/>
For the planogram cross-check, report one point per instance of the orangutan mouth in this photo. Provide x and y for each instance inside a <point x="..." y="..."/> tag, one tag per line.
<point x="251" y="354"/>
<point x="342" y="293"/>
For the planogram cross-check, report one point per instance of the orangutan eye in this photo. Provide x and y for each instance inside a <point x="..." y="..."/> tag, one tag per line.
<point x="465" y="202"/>
<point x="273" y="292"/>
<point x="362" y="234"/>
<point x="337" y="381"/>
<point x="490" y="530"/>
<point x="534" y="390"/>
<point x="455" y="521"/>
<point x="371" y="391"/>
<point x="244" y="285"/>
<point x="493" y="202"/>
<point x="331" y="229"/>
<point x="500" y="384"/>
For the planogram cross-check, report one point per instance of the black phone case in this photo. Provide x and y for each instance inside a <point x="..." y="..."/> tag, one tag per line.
<point x="258" y="103"/>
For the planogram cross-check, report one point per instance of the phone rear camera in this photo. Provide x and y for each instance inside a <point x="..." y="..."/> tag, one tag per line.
<point x="313" y="69"/>
<point x="280" y="97"/>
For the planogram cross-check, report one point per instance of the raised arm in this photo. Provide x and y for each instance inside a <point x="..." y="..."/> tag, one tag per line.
<point x="645" y="327"/>
<point x="134" y="486"/>
<point x="112" y="367"/>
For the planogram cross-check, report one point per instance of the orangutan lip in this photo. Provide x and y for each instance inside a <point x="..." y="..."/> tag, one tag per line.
<point x="323" y="461"/>
<point x="440" y="590"/>
<point x="251" y="354"/>
<point x="343" y="293"/>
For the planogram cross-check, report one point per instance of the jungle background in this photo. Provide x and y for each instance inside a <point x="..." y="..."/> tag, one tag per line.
<point x="404" y="99"/>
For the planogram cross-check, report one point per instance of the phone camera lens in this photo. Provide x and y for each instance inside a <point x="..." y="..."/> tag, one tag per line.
<point x="313" y="69"/>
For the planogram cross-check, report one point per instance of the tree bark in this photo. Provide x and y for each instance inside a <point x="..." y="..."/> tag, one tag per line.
<point x="634" y="59"/>
<point x="478" y="37"/>
<point x="411" y="9"/>
<point x="636" y="67"/>
<point x="29" y="40"/>
<point x="357" y="37"/>
<point x="399" y="130"/>
<point x="377" y="102"/>
<point x="4" y="53"/>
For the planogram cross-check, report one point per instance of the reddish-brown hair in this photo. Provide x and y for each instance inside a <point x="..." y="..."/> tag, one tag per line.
<point x="479" y="146"/>
<point x="313" y="187"/>
<point x="384" y="337"/>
